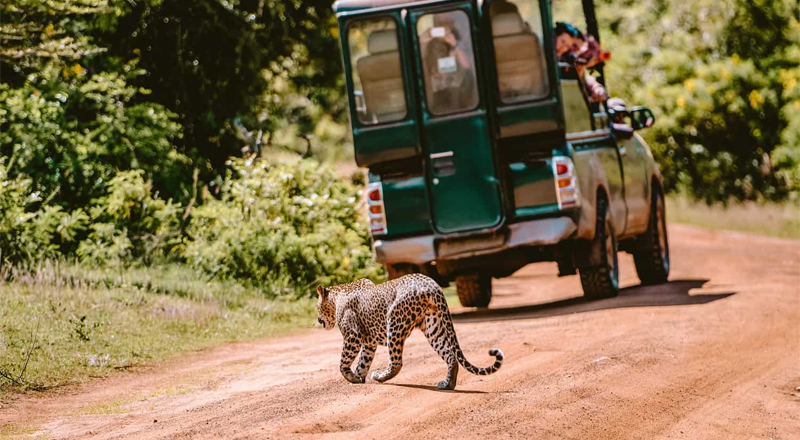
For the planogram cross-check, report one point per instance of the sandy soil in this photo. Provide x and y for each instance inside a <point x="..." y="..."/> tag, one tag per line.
<point x="715" y="353"/>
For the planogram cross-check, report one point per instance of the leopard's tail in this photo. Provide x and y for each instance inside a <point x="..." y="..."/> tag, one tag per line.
<point x="481" y="371"/>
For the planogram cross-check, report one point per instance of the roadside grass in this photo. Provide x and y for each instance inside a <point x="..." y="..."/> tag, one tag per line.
<point x="8" y="431"/>
<point x="451" y="296"/>
<point x="66" y="324"/>
<point x="773" y="220"/>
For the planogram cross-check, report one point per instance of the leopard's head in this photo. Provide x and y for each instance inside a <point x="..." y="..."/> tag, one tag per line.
<point x="326" y="308"/>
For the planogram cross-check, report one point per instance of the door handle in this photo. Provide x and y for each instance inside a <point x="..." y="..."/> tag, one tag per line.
<point x="443" y="164"/>
<point x="442" y="155"/>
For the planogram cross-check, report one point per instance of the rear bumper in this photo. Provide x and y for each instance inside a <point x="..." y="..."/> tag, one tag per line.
<point x="424" y="249"/>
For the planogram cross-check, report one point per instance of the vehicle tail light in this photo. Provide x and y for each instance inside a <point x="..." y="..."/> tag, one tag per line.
<point x="375" y="194"/>
<point x="566" y="182"/>
<point x="377" y="211"/>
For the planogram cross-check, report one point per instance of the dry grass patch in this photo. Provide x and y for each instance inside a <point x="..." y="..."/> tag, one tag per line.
<point x="66" y="324"/>
<point x="773" y="220"/>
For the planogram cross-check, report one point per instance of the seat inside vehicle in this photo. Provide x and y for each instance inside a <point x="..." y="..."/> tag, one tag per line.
<point x="382" y="78"/>
<point x="520" y="59"/>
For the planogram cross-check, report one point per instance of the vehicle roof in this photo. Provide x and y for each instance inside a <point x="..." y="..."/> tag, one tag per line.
<point x="355" y="5"/>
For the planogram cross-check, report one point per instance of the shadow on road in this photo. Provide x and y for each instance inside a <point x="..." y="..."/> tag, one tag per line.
<point x="433" y="388"/>
<point x="673" y="293"/>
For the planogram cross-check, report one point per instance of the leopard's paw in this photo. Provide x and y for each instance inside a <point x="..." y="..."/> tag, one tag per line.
<point x="445" y="385"/>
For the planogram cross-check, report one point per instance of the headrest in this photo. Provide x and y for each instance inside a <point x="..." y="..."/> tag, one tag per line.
<point x="509" y="23"/>
<point x="382" y="41"/>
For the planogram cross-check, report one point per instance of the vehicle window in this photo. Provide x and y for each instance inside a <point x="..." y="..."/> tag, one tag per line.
<point x="519" y="53"/>
<point x="579" y="111"/>
<point x="377" y="74"/>
<point x="451" y="84"/>
<point x="576" y="111"/>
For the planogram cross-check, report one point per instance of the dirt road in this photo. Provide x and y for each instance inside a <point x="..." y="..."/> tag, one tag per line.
<point x="713" y="354"/>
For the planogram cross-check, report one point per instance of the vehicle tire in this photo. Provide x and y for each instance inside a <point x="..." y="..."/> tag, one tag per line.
<point x="395" y="271"/>
<point x="601" y="280"/>
<point x="652" y="251"/>
<point x="431" y="271"/>
<point x="474" y="290"/>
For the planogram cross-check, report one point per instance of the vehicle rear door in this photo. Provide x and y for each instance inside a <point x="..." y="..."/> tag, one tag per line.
<point x="464" y="188"/>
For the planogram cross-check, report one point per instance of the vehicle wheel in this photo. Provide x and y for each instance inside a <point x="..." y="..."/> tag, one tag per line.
<point x="601" y="280"/>
<point x="395" y="271"/>
<point x="652" y="253"/>
<point x="474" y="290"/>
<point x="430" y="271"/>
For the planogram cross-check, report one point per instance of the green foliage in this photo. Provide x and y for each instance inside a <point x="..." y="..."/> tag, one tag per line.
<point x="130" y="223"/>
<point x="285" y="227"/>
<point x="27" y="237"/>
<point x="723" y="78"/>
<point x="216" y="63"/>
<point x="35" y="32"/>
<point x="281" y="227"/>
<point x="73" y="131"/>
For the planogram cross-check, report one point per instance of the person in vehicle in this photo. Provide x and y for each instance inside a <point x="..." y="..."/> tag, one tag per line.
<point x="446" y="29"/>
<point x="569" y="41"/>
<point x="449" y="71"/>
<point x="446" y="81"/>
<point x="581" y="53"/>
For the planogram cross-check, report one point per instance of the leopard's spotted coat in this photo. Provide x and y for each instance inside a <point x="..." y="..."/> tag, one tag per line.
<point x="369" y="315"/>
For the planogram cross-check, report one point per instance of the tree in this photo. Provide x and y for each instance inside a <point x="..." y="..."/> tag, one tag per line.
<point x="64" y="122"/>
<point x="215" y="63"/>
<point x="723" y="78"/>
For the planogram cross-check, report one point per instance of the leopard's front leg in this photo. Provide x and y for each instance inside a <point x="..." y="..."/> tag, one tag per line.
<point x="349" y="351"/>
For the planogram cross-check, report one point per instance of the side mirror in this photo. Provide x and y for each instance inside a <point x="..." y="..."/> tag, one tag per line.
<point x="642" y="117"/>
<point x="621" y="121"/>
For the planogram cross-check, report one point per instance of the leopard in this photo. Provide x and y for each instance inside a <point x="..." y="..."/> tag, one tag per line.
<point x="371" y="315"/>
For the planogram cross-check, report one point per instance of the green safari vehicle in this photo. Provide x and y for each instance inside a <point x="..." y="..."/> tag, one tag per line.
<point x="485" y="153"/>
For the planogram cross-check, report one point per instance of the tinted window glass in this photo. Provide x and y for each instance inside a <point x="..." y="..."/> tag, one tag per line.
<point x="377" y="73"/>
<point x="448" y="62"/>
<point x="517" y="36"/>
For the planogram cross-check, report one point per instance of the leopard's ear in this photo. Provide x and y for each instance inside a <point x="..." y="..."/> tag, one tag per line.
<point x="322" y="292"/>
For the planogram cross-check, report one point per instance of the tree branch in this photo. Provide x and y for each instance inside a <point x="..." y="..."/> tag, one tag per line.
<point x="34" y="336"/>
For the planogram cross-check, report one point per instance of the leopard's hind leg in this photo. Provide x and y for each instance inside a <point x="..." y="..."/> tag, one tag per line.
<point x="403" y="317"/>
<point x="365" y="360"/>
<point x="441" y="338"/>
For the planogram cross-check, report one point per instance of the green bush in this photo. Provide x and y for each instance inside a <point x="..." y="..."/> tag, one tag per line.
<point x="283" y="227"/>
<point x="723" y="77"/>
<point x="280" y="227"/>
<point x="73" y="131"/>
<point x="27" y="236"/>
<point x="129" y="223"/>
